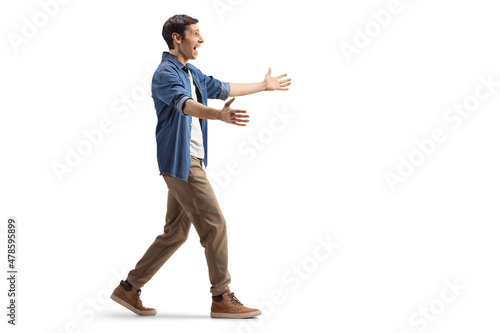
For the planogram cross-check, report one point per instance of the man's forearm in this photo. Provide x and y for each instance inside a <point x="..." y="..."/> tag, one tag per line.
<point x="241" y="89"/>
<point x="198" y="110"/>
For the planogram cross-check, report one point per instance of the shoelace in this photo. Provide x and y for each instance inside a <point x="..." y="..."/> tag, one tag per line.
<point x="234" y="300"/>
<point x="138" y="302"/>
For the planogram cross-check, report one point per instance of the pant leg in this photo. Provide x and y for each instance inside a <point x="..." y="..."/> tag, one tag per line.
<point x="175" y="233"/>
<point x="198" y="201"/>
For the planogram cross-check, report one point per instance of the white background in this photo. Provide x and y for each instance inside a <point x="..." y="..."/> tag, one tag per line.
<point x="320" y="177"/>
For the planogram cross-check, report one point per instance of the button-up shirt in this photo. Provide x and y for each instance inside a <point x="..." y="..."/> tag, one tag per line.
<point x="170" y="89"/>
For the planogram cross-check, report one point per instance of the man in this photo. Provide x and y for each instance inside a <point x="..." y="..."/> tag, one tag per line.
<point x="180" y="92"/>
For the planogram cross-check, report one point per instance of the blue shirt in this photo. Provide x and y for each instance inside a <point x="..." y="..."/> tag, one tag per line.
<point x="171" y="88"/>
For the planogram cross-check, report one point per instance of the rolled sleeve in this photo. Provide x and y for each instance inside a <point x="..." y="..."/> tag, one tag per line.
<point x="225" y="89"/>
<point x="181" y="102"/>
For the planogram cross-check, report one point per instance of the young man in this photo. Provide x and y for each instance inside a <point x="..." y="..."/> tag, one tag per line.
<point x="180" y="92"/>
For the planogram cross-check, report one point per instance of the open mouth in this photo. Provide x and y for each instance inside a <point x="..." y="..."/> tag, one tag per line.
<point x="195" y="50"/>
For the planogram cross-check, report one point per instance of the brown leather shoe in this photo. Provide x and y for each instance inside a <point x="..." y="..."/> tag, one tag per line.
<point x="230" y="307"/>
<point x="131" y="300"/>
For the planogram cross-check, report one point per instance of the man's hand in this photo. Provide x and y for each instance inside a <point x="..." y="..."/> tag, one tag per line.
<point x="233" y="116"/>
<point x="274" y="83"/>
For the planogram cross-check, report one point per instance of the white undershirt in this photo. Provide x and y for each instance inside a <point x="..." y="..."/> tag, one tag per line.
<point x="196" y="146"/>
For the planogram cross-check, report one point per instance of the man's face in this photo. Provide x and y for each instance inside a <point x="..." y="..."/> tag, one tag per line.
<point x="191" y="42"/>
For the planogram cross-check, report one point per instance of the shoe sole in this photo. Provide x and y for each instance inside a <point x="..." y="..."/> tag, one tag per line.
<point x="131" y="308"/>
<point x="235" y="315"/>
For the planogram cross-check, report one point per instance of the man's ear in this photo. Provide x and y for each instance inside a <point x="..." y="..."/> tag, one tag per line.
<point x="176" y="38"/>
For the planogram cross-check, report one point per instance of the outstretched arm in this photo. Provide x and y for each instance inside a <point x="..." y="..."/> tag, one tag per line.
<point x="269" y="83"/>
<point x="226" y="114"/>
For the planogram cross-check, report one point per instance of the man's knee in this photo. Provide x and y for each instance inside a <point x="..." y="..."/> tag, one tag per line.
<point x="217" y="231"/>
<point x="174" y="236"/>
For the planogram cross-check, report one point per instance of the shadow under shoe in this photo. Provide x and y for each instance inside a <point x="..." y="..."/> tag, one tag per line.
<point x="228" y="306"/>
<point x="129" y="297"/>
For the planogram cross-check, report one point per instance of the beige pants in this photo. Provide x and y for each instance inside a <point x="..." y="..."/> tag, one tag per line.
<point x="189" y="202"/>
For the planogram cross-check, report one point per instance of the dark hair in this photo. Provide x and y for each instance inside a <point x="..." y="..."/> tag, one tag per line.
<point x="179" y="24"/>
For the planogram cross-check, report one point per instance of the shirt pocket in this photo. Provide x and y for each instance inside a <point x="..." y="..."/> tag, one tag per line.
<point x="202" y="85"/>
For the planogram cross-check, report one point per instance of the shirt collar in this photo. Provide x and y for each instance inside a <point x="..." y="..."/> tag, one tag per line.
<point x="167" y="56"/>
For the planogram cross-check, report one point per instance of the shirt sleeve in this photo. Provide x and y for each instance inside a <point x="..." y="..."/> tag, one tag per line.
<point x="216" y="89"/>
<point x="168" y="87"/>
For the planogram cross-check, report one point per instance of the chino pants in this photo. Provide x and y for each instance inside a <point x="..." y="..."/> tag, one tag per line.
<point x="189" y="202"/>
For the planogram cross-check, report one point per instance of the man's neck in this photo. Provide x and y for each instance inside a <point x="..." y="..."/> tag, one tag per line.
<point x="178" y="56"/>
